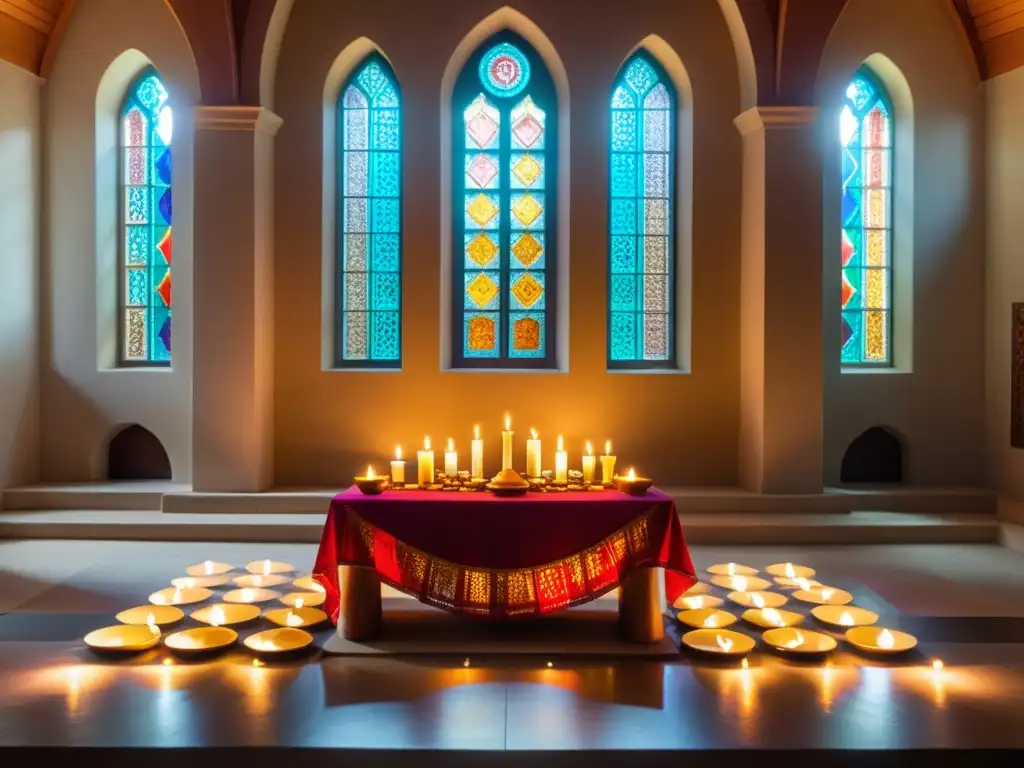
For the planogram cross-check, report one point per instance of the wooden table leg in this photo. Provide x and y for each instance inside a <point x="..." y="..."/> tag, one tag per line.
<point x="639" y="607"/>
<point x="360" y="616"/>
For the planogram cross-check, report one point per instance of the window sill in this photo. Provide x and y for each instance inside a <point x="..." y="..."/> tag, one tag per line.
<point x="648" y="371"/>
<point x="542" y="371"/>
<point x="357" y="369"/>
<point x="858" y="371"/>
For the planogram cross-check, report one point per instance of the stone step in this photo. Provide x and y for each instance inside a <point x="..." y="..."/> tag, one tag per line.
<point x="701" y="528"/>
<point x="126" y="495"/>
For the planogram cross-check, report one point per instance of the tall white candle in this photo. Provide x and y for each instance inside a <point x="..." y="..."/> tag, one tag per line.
<point x="533" y="455"/>
<point x="476" y="464"/>
<point x="561" y="463"/>
<point x="451" y="460"/>
<point x="589" y="461"/>
<point x="506" y="444"/>
<point x="398" y="468"/>
<point x="608" y="464"/>
<point x="425" y="464"/>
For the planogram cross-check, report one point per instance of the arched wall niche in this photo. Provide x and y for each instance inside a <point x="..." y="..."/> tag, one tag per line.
<point x="103" y="47"/>
<point x="933" y="394"/>
<point x="511" y="19"/>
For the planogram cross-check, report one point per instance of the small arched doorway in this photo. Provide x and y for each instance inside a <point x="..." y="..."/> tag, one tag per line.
<point x="875" y="456"/>
<point x="135" y="453"/>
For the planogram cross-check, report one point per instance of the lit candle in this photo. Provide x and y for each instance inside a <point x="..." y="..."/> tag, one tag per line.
<point x="425" y="464"/>
<point x="608" y="464"/>
<point x="506" y="444"/>
<point x="398" y="468"/>
<point x="451" y="460"/>
<point x="561" y="463"/>
<point x="533" y="455"/>
<point x="477" y="454"/>
<point x="589" y="460"/>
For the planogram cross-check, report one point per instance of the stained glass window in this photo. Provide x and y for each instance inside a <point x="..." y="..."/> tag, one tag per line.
<point x="146" y="123"/>
<point x="369" y="292"/>
<point x="641" y="263"/>
<point x="503" y="148"/>
<point x="866" y="135"/>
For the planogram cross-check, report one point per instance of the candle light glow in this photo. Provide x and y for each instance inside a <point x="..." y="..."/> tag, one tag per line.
<point x="885" y="639"/>
<point x="561" y="463"/>
<point x="589" y="463"/>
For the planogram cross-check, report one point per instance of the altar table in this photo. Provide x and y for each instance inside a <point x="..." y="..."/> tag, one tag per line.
<point x="501" y="558"/>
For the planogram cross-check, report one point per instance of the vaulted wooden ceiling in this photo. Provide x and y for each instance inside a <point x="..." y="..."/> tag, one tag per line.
<point x="785" y="35"/>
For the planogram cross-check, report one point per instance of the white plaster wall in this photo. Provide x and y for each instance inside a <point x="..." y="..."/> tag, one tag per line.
<point x="1004" y="97"/>
<point x="86" y="400"/>
<point x="19" y="288"/>
<point x="937" y="406"/>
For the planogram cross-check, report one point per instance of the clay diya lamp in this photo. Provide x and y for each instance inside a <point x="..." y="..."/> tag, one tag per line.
<point x="790" y="641"/>
<point x="823" y="596"/>
<point x="179" y="596"/>
<point x="277" y="643"/>
<point x="732" y="569"/>
<point x="371" y="483"/>
<point x="157" y="615"/>
<point x="706" y="618"/>
<point x="844" y="616"/>
<point x="719" y="643"/>
<point x="880" y="641"/>
<point x="226" y="614"/>
<point x="208" y="568"/>
<point x="633" y="485"/>
<point x="123" y="639"/>
<point x="267" y="567"/>
<point x="250" y="595"/>
<point x="201" y="641"/>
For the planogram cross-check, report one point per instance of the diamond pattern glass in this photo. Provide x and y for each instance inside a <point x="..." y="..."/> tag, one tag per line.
<point x="865" y="136"/>
<point x="641" y="304"/>
<point x="369" y="211"/>
<point x="145" y="303"/>
<point x="505" y="99"/>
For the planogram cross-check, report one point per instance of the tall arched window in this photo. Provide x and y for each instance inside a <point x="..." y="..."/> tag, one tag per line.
<point x="505" y="133"/>
<point x="866" y="135"/>
<point x="369" y="286"/>
<point x="145" y="180"/>
<point x="641" y="262"/>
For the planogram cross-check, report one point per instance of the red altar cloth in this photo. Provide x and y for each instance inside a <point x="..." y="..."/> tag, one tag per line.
<point x="494" y="557"/>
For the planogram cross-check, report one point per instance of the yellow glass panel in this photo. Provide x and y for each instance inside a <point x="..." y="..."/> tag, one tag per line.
<point x="874" y="208"/>
<point x="874" y="349"/>
<point x="527" y="169"/>
<point x="481" y="334"/>
<point x="482" y="249"/>
<point x="876" y="248"/>
<point x="527" y="249"/>
<point x="481" y="210"/>
<point x="527" y="290"/>
<point x="527" y="209"/>
<point x="482" y="290"/>
<point x="875" y="296"/>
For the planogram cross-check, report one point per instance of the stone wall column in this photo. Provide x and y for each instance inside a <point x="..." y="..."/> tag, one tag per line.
<point x="780" y="441"/>
<point x="232" y="443"/>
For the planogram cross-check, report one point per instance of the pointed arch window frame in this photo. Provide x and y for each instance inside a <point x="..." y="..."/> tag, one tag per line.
<point x="128" y="100"/>
<point x="865" y="72"/>
<point x="541" y="89"/>
<point x="638" y="363"/>
<point x="340" y="360"/>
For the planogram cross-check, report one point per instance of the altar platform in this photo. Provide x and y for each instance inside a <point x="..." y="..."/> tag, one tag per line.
<point x="965" y="603"/>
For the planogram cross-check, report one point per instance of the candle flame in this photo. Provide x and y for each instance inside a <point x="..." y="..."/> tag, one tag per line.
<point x="369" y="474"/>
<point x="740" y="582"/>
<point x="426" y="443"/>
<point x="724" y="643"/>
<point x="292" y="620"/>
<point x="694" y="602"/>
<point x="508" y="422"/>
<point x="217" y="617"/>
<point x="533" y="433"/>
<point x="257" y="581"/>
<point x="711" y="621"/>
<point x="885" y="639"/>
<point x="208" y="567"/>
<point x="757" y="600"/>
<point x="773" y="617"/>
<point x="631" y="475"/>
<point x="790" y="571"/>
<point x="796" y="642"/>
<point x="476" y="431"/>
<point x="560" y="446"/>
<point x="299" y="602"/>
<point x="248" y="595"/>
<point x="804" y="584"/>
<point x="731" y="569"/>
<point x="266" y="563"/>
<point x="398" y="453"/>
<point x="826" y="594"/>
<point x="846" y="619"/>
<point x="176" y="597"/>
<point x="451" y="445"/>
<point x="590" y="450"/>
<point x="607" y="447"/>
<point x="151" y="623"/>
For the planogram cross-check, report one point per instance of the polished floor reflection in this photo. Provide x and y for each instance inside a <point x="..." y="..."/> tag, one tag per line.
<point x="55" y="693"/>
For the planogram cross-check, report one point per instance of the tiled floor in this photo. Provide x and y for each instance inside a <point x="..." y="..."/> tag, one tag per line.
<point x="965" y="602"/>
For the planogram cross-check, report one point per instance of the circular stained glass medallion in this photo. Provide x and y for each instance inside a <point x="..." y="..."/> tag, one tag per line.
<point x="504" y="70"/>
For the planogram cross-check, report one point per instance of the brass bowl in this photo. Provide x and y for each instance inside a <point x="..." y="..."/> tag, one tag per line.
<point x="508" y="482"/>
<point x="226" y="614"/>
<point x="371" y="486"/>
<point x="799" y="642"/>
<point x="162" y="615"/>
<point x="302" y="617"/>
<point x="698" y="618"/>
<point x="201" y="641"/>
<point x="866" y="639"/>
<point x="704" y="642"/>
<point x="757" y="617"/>
<point x="278" y="643"/>
<point x="122" y="639"/>
<point x="833" y="616"/>
<point x="635" y="487"/>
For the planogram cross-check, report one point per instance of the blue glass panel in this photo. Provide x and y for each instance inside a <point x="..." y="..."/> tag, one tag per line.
<point x="623" y="253"/>
<point x="384" y="335"/>
<point x="851" y="206"/>
<point x="852" y="337"/>
<point x="137" y="201"/>
<point x="640" y="76"/>
<point x="623" y="217"/>
<point x="385" y="291"/>
<point x="162" y="204"/>
<point x="137" y="244"/>
<point x="623" y="99"/>
<point x="623" y="293"/>
<point x="851" y="168"/>
<point x="624" y="131"/>
<point x="527" y="290"/>
<point x="386" y="127"/>
<point x="624" y="174"/>
<point x="385" y="174"/>
<point x="385" y="253"/>
<point x="481" y="331"/>
<point x="526" y="334"/>
<point x="151" y="93"/>
<point x="623" y="336"/>
<point x="860" y="92"/>
<point x="504" y="70"/>
<point x="162" y="166"/>
<point x="160" y="345"/>
<point x="137" y="287"/>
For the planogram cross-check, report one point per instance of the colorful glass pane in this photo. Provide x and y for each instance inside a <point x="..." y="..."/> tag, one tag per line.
<point x="504" y="70"/>
<point x="641" y="266"/>
<point x="147" y="204"/>
<point x="369" y="296"/>
<point x="865" y="136"/>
